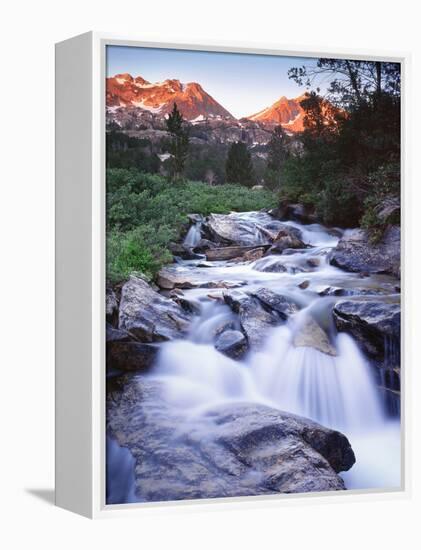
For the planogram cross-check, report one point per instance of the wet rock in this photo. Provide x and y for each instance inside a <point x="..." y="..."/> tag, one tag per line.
<point x="223" y="284"/>
<point x="356" y="253"/>
<point x="205" y="263"/>
<point x="230" y="252"/>
<point x="310" y="334"/>
<point x="190" y="306"/>
<point x="296" y="212"/>
<point x="388" y="211"/>
<point x="291" y="251"/>
<point x="183" y="252"/>
<point x="286" y="239"/>
<point x="235" y="229"/>
<point x="253" y="255"/>
<point x="339" y="291"/>
<point x="225" y="325"/>
<point x="171" y="277"/>
<point x="232" y="343"/>
<point x="179" y="277"/>
<point x="371" y="323"/>
<point x="229" y="229"/>
<point x="175" y="293"/>
<point x="203" y="245"/>
<point x="116" y="335"/>
<point x="276" y="302"/>
<point x="218" y="297"/>
<point x="313" y="262"/>
<point x="111" y="306"/>
<point x="270" y="265"/>
<point x="149" y="316"/>
<point x="195" y="218"/>
<point x="255" y="320"/>
<point x="304" y="284"/>
<point x="232" y="450"/>
<point x="130" y="356"/>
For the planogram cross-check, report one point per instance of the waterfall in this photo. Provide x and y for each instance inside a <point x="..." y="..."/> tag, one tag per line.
<point x="311" y="383"/>
<point x="193" y="235"/>
<point x="339" y="389"/>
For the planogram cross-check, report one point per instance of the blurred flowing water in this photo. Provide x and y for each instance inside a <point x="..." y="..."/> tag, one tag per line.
<point x="339" y="391"/>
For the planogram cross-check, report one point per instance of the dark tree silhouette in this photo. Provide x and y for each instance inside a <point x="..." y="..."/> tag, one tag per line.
<point x="277" y="154"/>
<point x="352" y="82"/>
<point x="239" y="166"/>
<point x="179" y="143"/>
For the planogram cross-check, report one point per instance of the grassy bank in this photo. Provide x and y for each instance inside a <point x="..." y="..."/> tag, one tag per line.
<point x="145" y="213"/>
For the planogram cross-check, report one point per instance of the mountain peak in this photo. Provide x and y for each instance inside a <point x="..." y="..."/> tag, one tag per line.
<point x="159" y="97"/>
<point x="285" y="112"/>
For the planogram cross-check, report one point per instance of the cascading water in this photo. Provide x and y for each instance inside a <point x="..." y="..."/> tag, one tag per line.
<point x="338" y="390"/>
<point x="193" y="235"/>
<point x="329" y="381"/>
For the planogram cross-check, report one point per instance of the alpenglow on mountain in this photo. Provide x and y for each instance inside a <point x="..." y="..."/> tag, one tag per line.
<point x="196" y="105"/>
<point x="159" y="97"/>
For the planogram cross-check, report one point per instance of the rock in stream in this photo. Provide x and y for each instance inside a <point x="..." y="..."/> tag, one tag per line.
<point x="230" y="450"/>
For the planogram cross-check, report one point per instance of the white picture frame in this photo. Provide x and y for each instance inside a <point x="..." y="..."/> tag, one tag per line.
<point x="80" y="278"/>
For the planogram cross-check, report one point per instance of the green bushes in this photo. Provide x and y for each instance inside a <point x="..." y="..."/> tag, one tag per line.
<point x="382" y="205"/>
<point x="145" y="213"/>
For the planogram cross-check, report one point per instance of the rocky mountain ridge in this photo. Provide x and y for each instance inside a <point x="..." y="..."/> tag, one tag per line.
<point x="134" y="104"/>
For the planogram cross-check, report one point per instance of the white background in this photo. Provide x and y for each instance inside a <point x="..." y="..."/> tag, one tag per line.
<point x="28" y="32"/>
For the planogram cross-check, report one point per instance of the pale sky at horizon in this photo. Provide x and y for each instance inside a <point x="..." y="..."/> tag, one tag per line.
<point x="242" y="83"/>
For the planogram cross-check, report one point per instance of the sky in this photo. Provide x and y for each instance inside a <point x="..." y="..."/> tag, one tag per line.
<point x="242" y="83"/>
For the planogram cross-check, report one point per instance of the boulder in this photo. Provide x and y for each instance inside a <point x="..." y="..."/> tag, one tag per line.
<point x="171" y="277"/>
<point x="195" y="218"/>
<point x="228" y="229"/>
<point x="351" y="291"/>
<point x="231" y="252"/>
<point x="236" y="229"/>
<point x="111" y="306"/>
<point x="149" y="316"/>
<point x="304" y="284"/>
<point x="232" y="343"/>
<point x="228" y="451"/>
<point x="356" y="253"/>
<point x="223" y="284"/>
<point x="313" y="262"/>
<point x="286" y="239"/>
<point x="270" y="266"/>
<point x="371" y="323"/>
<point x="183" y="252"/>
<point x="190" y="306"/>
<point x="253" y="255"/>
<point x="389" y="209"/>
<point x="203" y="245"/>
<point x="275" y="302"/>
<point x="130" y="356"/>
<point x="116" y="335"/>
<point x="309" y="333"/>
<point x="296" y="212"/>
<point x="255" y="320"/>
<point x="179" y="277"/>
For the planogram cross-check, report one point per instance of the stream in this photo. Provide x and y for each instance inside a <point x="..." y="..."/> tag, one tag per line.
<point x="340" y="391"/>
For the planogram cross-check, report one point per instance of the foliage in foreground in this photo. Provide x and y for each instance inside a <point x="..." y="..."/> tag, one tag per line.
<point x="145" y="213"/>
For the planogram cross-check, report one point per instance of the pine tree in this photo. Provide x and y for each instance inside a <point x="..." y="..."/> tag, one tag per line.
<point x="277" y="154"/>
<point x="179" y="144"/>
<point x="239" y="166"/>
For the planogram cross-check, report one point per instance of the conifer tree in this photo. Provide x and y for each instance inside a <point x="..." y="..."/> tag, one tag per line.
<point x="239" y="166"/>
<point x="179" y="143"/>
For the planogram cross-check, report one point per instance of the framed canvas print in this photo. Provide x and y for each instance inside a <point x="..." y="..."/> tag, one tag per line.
<point x="228" y="274"/>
